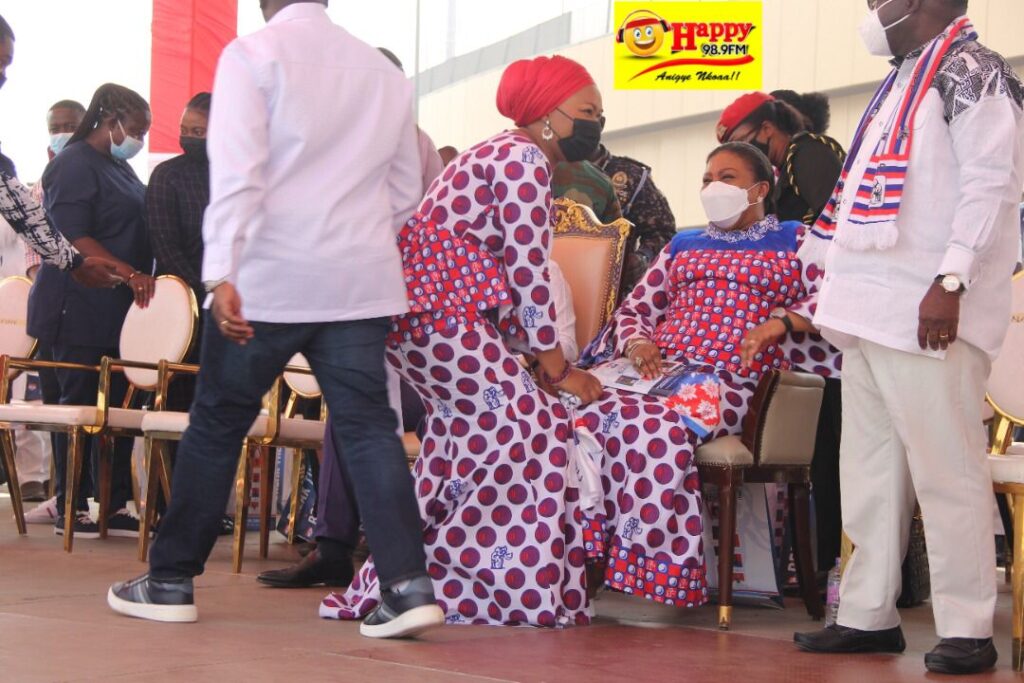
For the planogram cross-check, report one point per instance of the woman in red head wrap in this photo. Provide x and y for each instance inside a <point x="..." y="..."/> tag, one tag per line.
<point x="503" y="538"/>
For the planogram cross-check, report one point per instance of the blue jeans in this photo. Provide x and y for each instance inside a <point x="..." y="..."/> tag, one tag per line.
<point x="347" y="359"/>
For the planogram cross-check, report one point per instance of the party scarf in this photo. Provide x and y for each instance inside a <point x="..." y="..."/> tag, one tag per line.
<point x="876" y="205"/>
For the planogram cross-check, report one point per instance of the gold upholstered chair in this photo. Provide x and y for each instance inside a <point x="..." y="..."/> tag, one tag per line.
<point x="591" y="257"/>
<point x="163" y="331"/>
<point x="15" y="343"/>
<point x="1006" y="458"/>
<point x="776" y="446"/>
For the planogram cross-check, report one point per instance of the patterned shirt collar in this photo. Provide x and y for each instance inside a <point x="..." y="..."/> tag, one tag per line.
<point x="752" y="234"/>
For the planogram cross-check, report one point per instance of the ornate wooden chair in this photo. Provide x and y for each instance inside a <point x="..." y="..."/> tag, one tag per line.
<point x="591" y="257"/>
<point x="777" y="446"/>
<point x="15" y="343"/>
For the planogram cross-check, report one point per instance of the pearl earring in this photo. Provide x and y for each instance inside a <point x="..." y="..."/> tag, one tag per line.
<point x="547" y="133"/>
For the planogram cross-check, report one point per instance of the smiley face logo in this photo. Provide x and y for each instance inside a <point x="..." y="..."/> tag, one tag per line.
<point x="643" y="33"/>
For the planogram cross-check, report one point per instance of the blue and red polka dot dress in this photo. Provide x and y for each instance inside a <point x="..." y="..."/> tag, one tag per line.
<point x="502" y="528"/>
<point x="697" y="302"/>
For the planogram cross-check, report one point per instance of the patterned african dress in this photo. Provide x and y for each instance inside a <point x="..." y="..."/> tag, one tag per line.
<point x="502" y="528"/>
<point x="697" y="302"/>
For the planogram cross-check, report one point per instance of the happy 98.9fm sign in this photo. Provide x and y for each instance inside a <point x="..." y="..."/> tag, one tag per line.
<point x="688" y="45"/>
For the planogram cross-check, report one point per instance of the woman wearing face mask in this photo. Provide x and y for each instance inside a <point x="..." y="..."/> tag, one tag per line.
<point x="808" y="163"/>
<point x="501" y="528"/>
<point x="96" y="200"/>
<point x="722" y="299"/>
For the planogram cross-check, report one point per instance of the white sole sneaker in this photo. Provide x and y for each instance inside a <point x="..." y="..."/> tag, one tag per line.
<point x="121" y="533"/>
<point x="171" y="614"/>
<point x="408" y="624"/>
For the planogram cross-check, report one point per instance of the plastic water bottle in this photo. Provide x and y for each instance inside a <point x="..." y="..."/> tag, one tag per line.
<point x="832" y="595"/>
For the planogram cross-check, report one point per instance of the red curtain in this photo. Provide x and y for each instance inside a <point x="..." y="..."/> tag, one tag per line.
<point x="188" y="36"/>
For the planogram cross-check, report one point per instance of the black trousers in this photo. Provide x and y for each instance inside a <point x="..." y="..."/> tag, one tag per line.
<point x="825" y="476"/>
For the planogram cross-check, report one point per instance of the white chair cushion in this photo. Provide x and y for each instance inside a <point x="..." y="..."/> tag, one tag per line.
<point x="14" y="340"/>
<point x="1007" y="469"/>
<point x="299" y="382"/>
<point x="176" y="423"/>
<point x="161" y="331"/>
<point x="63" y="416"/>
<point x="727" y="451"/>
<point x="121" y="418"/>
<point x="1006" y="381"/>
<point x="1015" y="449"/>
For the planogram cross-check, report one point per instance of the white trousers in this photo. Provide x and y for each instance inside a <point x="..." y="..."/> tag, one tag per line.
<point x="913" y="424"/>
<point x="32" y="449"/>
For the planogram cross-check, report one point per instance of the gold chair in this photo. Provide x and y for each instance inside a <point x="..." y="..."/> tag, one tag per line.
<point x="15" y="343"/>
<point x="163" y="330"/>
<point x="273" y="427"/>
<point x="1006" y="459"/>
<point x="591" y="257"/>
<point x="777" y="446"/>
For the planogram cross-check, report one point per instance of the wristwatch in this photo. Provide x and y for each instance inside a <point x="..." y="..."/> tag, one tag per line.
<point x="77" y="260"/>
<point x="951" y="284"/>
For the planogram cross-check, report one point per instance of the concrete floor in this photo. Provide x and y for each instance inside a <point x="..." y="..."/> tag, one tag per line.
<point x="55" y="626"/>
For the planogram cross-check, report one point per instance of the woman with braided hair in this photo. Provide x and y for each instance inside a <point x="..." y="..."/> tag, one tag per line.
<point x="809" y="162"/>
<point x="97" y="202"/>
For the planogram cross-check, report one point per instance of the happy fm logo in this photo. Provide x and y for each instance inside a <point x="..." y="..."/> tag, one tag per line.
<point x="719" y="44"/>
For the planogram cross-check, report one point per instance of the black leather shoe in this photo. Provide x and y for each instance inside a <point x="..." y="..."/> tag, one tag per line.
<point x="961" y="656"/>
<point x="312" y="570"/>
<point x="838" y="638"/>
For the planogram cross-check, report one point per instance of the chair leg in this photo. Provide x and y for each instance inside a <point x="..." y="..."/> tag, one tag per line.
<point x="53" y="471"/>
<point x="74" y="478"/>
<point x="13" y="485"/>
<point x="726" y="546"/>
<point x="148" y="507"/>
<point x="800" y="506"/>
<point x="243" y="481"/>
<point x="298" y="473"/>
<point x="1018" y="582"/>
<point x="106" y="474"/>
<point x="266" y="495"/>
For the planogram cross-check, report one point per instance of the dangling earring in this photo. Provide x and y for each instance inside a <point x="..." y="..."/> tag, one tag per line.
<point x="547" y="133"/>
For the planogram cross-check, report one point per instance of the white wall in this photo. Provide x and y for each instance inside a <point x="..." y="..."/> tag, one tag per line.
<point x="811" y="45"/>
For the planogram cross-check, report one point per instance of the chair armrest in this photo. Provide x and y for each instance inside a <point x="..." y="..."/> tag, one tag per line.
<point x="7" y="363"/>
<point x="781" y="425"/>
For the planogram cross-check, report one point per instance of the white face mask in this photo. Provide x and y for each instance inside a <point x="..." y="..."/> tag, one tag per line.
<point x="875" y="34"/>
<point x="128" y="148"/>
<point x="59" y="141"/>
<point x="725" y="203"/>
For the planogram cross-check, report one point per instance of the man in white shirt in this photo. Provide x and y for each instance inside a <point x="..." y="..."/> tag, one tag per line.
<point x="919" y="315"/>
<point x="314" y="168"/>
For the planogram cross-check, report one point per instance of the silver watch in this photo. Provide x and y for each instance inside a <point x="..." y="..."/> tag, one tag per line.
<point x="951" y="284"/>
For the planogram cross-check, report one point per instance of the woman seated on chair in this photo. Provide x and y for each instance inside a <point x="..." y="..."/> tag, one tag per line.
<point x="501" y="526"/>
<point x="725" y="299"/>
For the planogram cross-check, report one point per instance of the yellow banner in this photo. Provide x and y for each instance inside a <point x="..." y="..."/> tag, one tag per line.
<point x="688" y="45"/>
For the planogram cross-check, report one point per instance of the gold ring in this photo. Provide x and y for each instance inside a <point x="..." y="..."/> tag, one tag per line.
<point x="944" y="336"/>
<point x="223" y="323"/>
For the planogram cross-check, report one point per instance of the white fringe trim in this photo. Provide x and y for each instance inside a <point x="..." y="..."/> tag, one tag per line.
<point x="873" y="237"/>
<point x="813" y="250"/>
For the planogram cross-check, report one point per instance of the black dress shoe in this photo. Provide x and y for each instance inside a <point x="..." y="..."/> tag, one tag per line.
<point x="962" y="656"/>
<point x="838" y="638"/>
<point x="313" y="570"/>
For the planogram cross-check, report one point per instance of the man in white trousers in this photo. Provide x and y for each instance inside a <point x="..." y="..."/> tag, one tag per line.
<point x="917" y="295"/>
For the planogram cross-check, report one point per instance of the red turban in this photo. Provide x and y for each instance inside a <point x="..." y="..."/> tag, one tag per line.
<point x="533" y="88"/>
<point x="737" y="112"/>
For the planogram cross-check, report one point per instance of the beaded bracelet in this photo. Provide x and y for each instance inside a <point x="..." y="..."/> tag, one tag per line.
<point x="633" y="343"/>
<point x="555" y="381"/>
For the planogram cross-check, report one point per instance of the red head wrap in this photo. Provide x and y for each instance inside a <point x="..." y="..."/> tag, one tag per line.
<point x="737" y="112"/>
<point x="533" y="88"/>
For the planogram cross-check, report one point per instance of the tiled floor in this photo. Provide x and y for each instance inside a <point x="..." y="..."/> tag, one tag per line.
<point x="55" y="626"/>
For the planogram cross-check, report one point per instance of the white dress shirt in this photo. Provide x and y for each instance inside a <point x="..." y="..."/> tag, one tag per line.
<point x="958" y="216"/>
<point x="314" y="167"/>
<point x="430" y="161"/>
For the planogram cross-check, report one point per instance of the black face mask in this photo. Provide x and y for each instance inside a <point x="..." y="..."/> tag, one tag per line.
<point x="584" y="141"/>
<point x="763" y="147"/>
<point x="195" y="148"/>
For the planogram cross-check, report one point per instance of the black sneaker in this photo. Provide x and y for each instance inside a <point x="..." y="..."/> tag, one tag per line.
<point x="404" y="613"/>
<point x="122" y="524"/>
<point x="838" y="638"/>
<point x="146" y="598"/>
<point x="960" y="656"/>
<point x="83" y="526"/>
